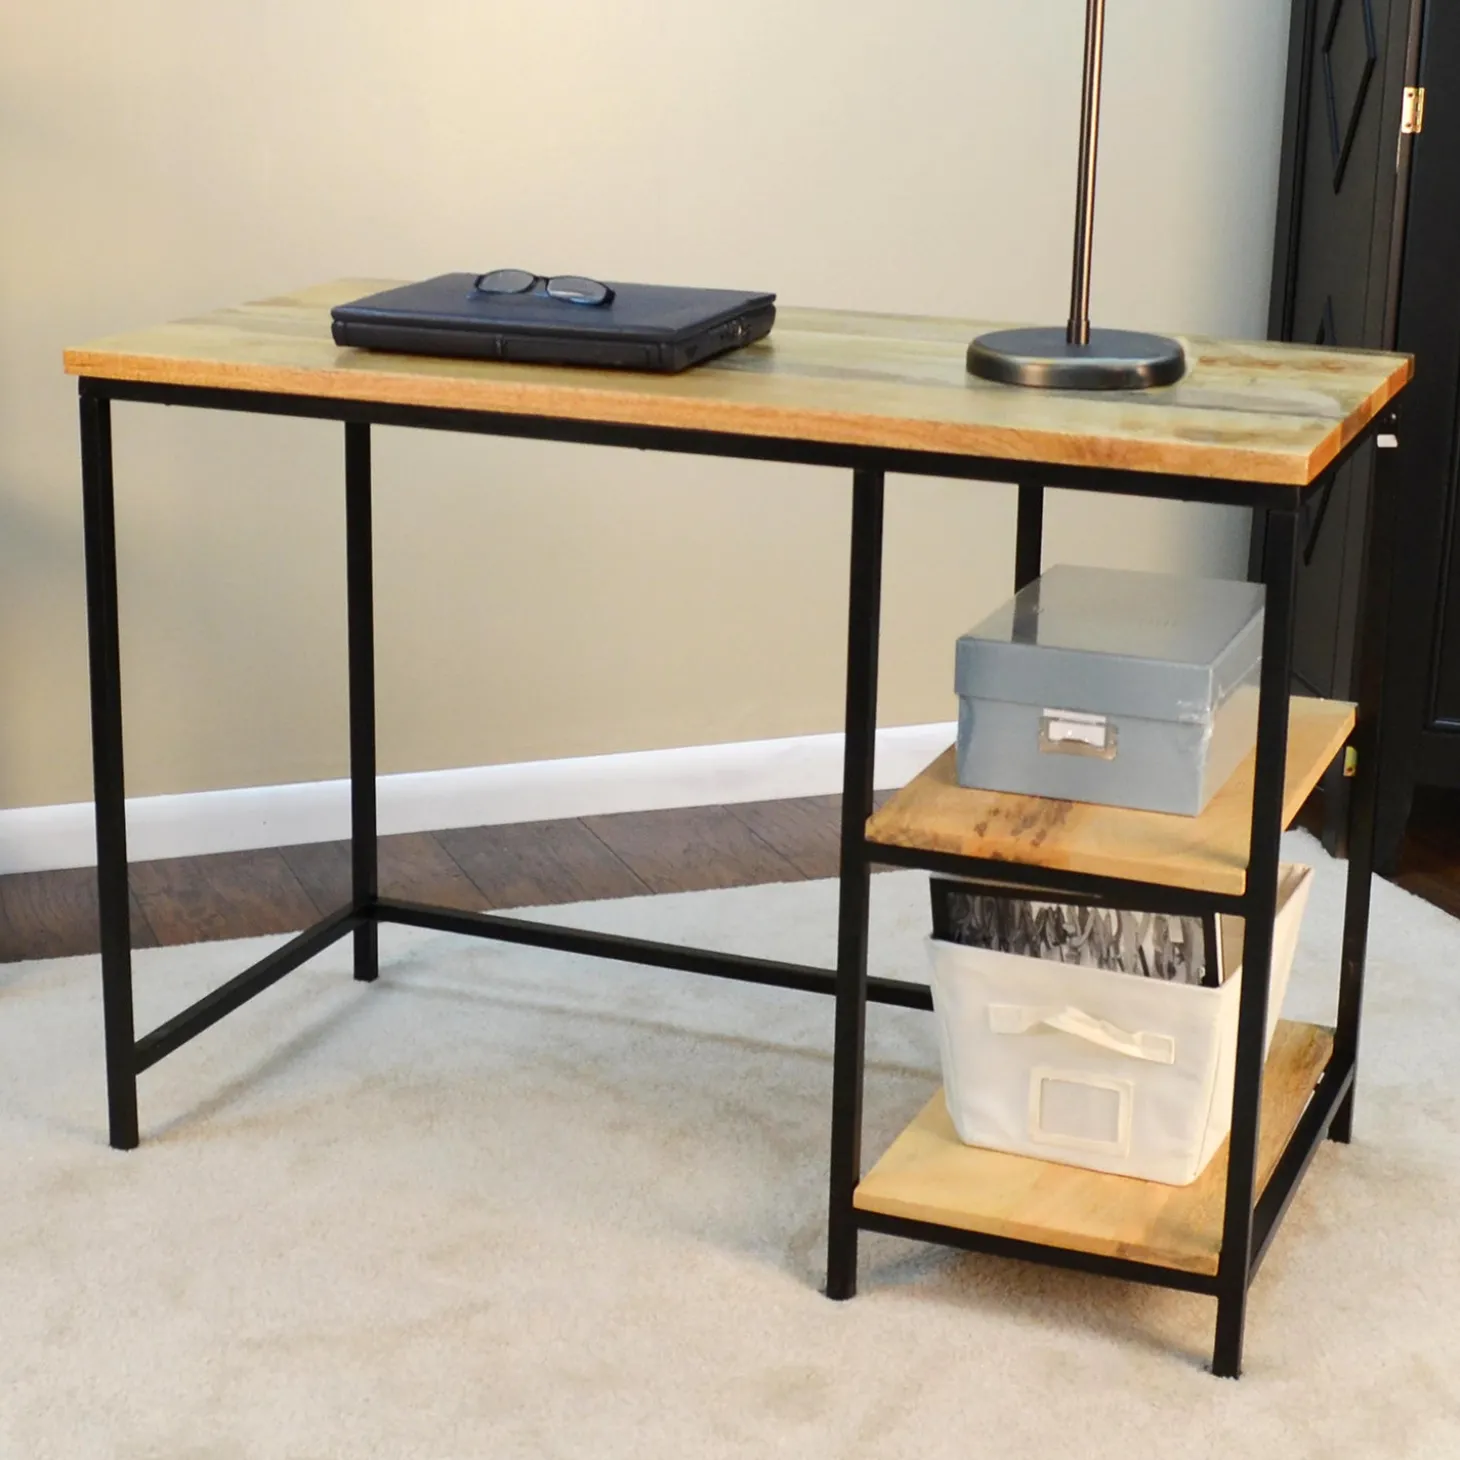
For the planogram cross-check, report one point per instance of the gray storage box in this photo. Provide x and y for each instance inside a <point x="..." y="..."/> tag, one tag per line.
<point x="1112" y="686"/>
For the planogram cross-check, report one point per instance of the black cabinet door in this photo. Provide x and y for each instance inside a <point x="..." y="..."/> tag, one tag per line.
<point x="1335" y="272"/>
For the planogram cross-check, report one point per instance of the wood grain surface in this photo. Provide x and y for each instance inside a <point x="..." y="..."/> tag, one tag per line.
<point x="690" y="849"/>
<point x="412" y="865"/>
<point x="1207" y="852"/>
<point x="806" y="831"/>
<point x="538" y="863"/>
<point x="1254" y="412"/>
<point x="929" y="1175"/>
<point x="224" y="895"/>
<point x="54" y="915"/>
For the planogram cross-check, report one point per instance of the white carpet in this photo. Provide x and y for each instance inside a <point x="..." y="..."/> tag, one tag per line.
<point x="508" y="1203"/>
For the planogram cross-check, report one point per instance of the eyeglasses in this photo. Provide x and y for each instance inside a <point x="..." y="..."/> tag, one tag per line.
<point x="568" y="287"/>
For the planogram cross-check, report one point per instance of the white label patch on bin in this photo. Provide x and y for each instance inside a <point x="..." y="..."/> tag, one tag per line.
<point x="1075" y="732"/>
<point x="1086" y="1112"/>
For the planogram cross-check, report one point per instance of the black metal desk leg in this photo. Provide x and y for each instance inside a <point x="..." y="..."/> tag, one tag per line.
<point x="1385" y="490"/>
<point x="863" y="627"/>
<point x="107" y="767"/>
<point x="1235" y="1268"/>
<point x="1029" y="535"/>
<point x="359" y="581"/>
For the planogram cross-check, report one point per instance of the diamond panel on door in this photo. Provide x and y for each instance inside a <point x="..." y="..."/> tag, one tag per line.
<point x="1350" y="53"/>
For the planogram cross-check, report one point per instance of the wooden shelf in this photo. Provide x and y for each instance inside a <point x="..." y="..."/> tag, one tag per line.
<point x="1207" y="853"/>
<point x="929" y="1175"/>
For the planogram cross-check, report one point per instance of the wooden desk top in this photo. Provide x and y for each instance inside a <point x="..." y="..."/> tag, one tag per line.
<point x="1247" y="412"/>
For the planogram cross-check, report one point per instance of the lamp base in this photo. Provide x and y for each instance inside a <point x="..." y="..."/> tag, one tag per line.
<point x="1043" y="357"/>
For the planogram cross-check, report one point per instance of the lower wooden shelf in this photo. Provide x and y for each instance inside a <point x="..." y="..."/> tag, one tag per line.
<point x="929" y="1175"/>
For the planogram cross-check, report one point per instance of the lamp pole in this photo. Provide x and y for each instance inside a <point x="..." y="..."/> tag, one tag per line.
<point x="1078" y="332"/>
<point x="1078" y="357"/>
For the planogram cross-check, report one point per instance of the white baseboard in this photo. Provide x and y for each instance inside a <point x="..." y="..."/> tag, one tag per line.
<point x="40" y="838"/>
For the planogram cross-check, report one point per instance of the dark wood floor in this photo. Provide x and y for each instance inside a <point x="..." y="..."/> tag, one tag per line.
<point x="240" y="894"/>
<point x="1429" y="864"/>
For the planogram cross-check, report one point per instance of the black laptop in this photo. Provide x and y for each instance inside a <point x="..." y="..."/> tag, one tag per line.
<point x="510" y="314"/>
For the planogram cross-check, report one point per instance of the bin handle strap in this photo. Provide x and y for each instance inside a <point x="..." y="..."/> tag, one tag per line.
<point x="1142" y="1044"/>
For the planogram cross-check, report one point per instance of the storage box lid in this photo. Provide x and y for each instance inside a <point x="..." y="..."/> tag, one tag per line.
<point x="1114" y="641"/>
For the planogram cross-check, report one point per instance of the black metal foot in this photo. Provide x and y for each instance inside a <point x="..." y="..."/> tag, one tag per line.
<point x="841" y="1266"/>
<point x="1342" y="1129"/>
<point x="124" y="1135"/>
<point x="1227" y="1351"/>
<point x="367" y="953"/>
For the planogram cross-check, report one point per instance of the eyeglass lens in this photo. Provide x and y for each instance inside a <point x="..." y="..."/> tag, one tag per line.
<point x="577" y="290"/>
<point x="506" y="281"/>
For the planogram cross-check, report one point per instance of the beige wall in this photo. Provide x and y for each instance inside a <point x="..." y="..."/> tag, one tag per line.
<point x="162" y="157"/>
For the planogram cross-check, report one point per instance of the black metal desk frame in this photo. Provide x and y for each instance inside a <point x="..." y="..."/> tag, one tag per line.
<point x="1250" y="1222"/>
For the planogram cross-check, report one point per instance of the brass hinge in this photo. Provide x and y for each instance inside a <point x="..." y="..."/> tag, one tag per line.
<point x="1350" y="761"/>
<point x="1412" y="120"/>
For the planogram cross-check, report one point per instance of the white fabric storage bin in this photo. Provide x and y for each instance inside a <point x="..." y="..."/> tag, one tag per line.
<point x="1104" y="1070"/>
